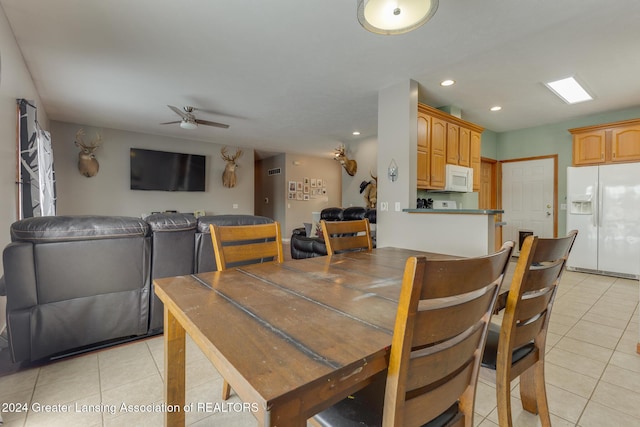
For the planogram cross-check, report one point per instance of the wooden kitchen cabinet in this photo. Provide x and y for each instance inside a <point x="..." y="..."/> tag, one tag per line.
<point x="625" y="143"/>
<point x="453" y="141"/>
<point x="464" y="147"/>
<point x="617" y="142"/>
<point x="475" y="139"/>
<point x="445" y="139"/>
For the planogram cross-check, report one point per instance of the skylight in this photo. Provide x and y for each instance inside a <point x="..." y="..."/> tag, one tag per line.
<point x="569" y="90"/>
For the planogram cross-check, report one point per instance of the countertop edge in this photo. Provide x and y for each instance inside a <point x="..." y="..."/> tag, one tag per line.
<point x="456" y="211"/>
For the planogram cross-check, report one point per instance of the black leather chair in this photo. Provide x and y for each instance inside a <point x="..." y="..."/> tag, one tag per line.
<point x="303" y="246"/>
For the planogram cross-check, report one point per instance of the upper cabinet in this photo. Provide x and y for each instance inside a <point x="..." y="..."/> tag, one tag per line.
<point x="617" y="142"/>
<point x="444" y="139"/>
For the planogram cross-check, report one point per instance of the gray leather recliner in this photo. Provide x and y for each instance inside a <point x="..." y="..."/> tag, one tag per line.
<point x="72" y="282"/>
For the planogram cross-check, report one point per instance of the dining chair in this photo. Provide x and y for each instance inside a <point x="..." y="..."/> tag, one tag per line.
<point x="516" y="348"/>
<point x="245" y="244"/>
<point x="440" y="329"/>
<point x="341" y="236"/>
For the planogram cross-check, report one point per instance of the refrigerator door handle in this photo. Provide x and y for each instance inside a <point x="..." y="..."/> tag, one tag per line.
<point x="600" y="189"/>
<point x="595" y="207"/>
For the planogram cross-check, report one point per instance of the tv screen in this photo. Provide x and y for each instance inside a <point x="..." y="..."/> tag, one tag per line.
<point x="166" y="171"/>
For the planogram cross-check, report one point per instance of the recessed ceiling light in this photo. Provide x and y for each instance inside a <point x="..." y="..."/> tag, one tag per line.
<point x="447" y="82"/>
<point x="356" y="133"/>
<point x="569" y="90"/>
<point x="496" y="108"/>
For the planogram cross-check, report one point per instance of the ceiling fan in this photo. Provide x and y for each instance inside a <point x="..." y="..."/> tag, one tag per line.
<point x="189" y="120"/>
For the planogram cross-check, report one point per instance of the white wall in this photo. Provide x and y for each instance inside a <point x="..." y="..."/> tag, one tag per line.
<point x="397" y="139"/>
<point x="297" y="168"/>
<point x="108" y="193"/>
<point x="365" y="152"/>
<point x="15" y="82"/>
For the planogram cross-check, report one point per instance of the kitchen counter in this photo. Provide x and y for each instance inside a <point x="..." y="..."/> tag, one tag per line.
<point x="457" y="211"/>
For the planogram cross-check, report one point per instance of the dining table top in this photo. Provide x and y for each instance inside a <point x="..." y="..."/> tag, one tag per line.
<point x="294" y="337"/>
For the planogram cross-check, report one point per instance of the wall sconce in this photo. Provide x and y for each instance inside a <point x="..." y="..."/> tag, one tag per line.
<point x="392" y="171"/>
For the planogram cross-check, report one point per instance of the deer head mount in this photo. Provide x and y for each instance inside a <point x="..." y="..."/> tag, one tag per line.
<point x="87" y="163"/>
<point x="229" y="174"/>
<point x="369" y="190"/>
<point x="350" y="166"/>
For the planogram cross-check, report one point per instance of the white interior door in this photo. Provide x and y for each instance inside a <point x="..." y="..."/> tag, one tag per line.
<point x="527" y="198"/>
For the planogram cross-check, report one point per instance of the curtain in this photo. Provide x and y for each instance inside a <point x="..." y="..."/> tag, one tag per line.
<point x="36" y="176"/>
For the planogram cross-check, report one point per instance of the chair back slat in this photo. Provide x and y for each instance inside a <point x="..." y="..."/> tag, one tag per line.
<point x="526" y="333"/>
<point x="434" y="325"/>
<point x="461" y="280"/>
<point x="554" y="249"/>
<point x="245" y="244"/>
<point x="543" y="276"/>
<point x="448" y="356"/>
<point x="438" y="340"/>
<point x="534" y="304"/>
<point x="340" y="236"/>
<point x="435" y="401"/>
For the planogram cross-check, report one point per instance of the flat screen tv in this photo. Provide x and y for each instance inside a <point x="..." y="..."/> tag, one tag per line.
<point x="166" y="171"/>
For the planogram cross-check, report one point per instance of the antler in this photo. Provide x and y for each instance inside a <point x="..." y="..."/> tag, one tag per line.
<point x="92" y="146"/>
<point x="228" y="158"/>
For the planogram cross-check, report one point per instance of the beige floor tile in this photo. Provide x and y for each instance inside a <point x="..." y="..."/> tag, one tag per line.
<point x="622" y="378"/>
<point x="618" y="398"/>
<point x="595" y="333"/>
<point x="576" y="362"/>
<point x="143" y="392"/>
<point x="73" y="416"/>
<point x="20" y="402"/>
<point x="18" y="382"/>
<point x="597" y="415"/>
<point x="77" y="367"/>
<point x="485" y="399"/>
<point x="606" y="320"/>
<point x="626" y="361"/>
<point x="568" y="380"/>
<point x="70" y="389"/>
<point x="585" y="349"/>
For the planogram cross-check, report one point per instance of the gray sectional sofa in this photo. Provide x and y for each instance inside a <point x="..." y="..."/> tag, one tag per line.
<point x="76" y="283"/>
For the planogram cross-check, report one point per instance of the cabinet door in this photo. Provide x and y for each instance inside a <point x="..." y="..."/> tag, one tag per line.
<point x="625" y="144"/>
<point x="476" y="159"/>
<point x="464" y="146"/>
<point x="438" y="152"/>
<point x="424" y="167"/>
<point x="453" y="139"/>
<point x="589" y="148"/>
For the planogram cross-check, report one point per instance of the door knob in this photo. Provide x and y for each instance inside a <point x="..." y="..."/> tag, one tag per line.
<point x="548" y="213"/>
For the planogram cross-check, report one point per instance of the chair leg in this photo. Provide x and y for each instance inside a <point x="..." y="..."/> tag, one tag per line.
<point x="226" y="390"/>
<point x="534" y="394"/>
<point x="503" y="397"/>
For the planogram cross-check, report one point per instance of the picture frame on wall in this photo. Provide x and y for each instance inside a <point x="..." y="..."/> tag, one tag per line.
<point x="313" y="182"/>
<point x="299" y="186"/>
<point x="306" y="197"/>
<point x="292" y="186"/>
<point x="306" y="181"/>
<point x="319" y="182"/>
<point x="292" y="195"/>
<point x="299" y="195"/>
<point x="306" y="189"/>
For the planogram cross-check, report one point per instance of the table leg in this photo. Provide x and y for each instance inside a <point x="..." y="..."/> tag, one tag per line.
<point x="174" y="369"/>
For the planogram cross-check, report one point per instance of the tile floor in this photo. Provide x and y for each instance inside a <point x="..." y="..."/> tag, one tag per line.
<point x="592" y="371"/>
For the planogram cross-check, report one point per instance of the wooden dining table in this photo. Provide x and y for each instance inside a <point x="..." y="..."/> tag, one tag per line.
<point x="291" y="339"/>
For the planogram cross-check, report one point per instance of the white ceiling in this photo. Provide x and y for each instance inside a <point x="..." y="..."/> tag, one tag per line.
<point x="300" y="76"/>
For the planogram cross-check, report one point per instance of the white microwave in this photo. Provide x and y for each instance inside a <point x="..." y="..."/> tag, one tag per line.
<point x="458" y="178"/>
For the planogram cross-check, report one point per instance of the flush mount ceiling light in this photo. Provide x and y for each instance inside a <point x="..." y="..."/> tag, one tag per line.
<point x="448" y="82"/>
<point x="569" y="90"/>
<point x="496" y="108"/>
<point x="395" y="16"/>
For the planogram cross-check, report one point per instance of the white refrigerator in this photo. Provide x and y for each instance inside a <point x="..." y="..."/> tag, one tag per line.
<point x="603" y="204"/>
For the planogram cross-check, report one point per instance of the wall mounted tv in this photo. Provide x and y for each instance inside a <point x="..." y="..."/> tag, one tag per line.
<point x="166" y="171"/>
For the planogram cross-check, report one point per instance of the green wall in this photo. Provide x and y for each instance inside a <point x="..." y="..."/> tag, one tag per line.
<point x="547" y="140"/>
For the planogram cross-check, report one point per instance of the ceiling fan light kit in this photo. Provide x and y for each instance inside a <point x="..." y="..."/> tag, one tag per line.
<point x="395" y="16"/>
<point x="186" y="124"/>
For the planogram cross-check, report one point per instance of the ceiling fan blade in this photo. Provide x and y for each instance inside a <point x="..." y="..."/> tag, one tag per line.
<point x="208" y="123"/>
<point x="178" y="111"/>
<point x="170" y="123"/>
